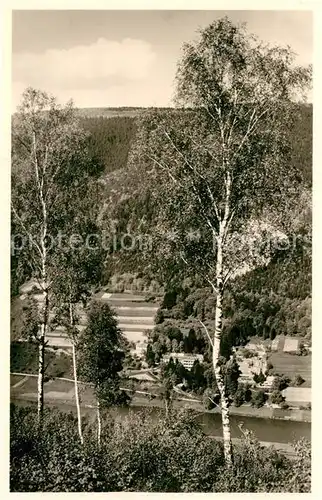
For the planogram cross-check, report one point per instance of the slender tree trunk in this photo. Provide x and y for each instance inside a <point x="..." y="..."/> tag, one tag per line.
<point x="215" y="358"/>
<point x="41" y="357"/>
<point x="166" y="407"/>
<point x="41" y="373"/>
<point x="79" y="418"/>
<point x="41" y="367"/>
<point x="99" y="423"/>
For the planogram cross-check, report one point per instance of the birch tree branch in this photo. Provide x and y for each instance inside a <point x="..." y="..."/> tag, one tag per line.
<point x="26" y="230"/>
<point x="206" y="330"/>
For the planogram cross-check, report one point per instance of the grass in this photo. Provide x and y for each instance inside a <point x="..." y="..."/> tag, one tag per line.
<point x="24" y="359"/>
<point x="14" y="379"/>
<point x="292" y="365"/>
<point x="29" y="386"/>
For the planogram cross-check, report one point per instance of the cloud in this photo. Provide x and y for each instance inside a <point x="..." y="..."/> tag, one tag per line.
<point x="99" y="65"/>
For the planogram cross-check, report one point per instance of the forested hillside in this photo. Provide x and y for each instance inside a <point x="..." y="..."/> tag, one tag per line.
<point x="110" y="139"/>
<point x="266" y="301"/>
<point x="113" y="129"/>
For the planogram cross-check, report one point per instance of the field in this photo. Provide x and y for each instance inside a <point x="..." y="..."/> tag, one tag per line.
<point x="29" y="385"/>
<point x="24" y="359"/>
<point x="292" y="365"/>
<point x="15" y="379"/>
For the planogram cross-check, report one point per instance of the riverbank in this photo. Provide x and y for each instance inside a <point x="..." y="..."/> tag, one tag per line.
<point x="242" y="411"/>
<point x="24" y="386"/>
<point x="60" y="393"/>
<point x="211" y="425"/>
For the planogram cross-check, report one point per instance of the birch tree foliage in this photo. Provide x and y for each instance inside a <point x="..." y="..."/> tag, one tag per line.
<point x="220" y="160"/>
<point x="224" y="151"/>
<point x="50" y="161"/>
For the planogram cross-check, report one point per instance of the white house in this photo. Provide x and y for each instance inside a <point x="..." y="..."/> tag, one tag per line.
<point x="187" y="360"/>
<point x="291" y="344"/>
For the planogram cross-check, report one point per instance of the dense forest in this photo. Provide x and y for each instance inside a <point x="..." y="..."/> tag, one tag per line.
<point x="112" y="133"/>
<point x="265" y="301"/>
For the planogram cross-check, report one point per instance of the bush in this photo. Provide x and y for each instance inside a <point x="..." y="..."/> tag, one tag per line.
<point x="246" y="353"/>
<point x="248" y="393"/>
<point x="259" y="398"/>
<point x="302" y="350"/>
<point x="297" y="381"/>
<point x="277" y="398"/>
<point x="239" y="396"/>
<point x="142" y="453"/>
<point x="159" y="317"/>
<point x="259" y="378"/>
<point x="280" y="383"/>
<point x="258" y="469"/>
<point x="243" y="394"/>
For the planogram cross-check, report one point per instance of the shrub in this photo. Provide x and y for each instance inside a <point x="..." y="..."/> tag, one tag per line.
<point x="259" y="378"/>
<point x="259" y="398"/>
<point x="297" y="381"/>
<point x="248" y="393"/>
<point x="276" y="397"/>
<point x="246" y="353"/>
<point x="142" y="453"/>
<point x="239" y="396"/>
<point x="280" y="383"/>
<point x="159" y="317"/>
<point x="302" y="350"/>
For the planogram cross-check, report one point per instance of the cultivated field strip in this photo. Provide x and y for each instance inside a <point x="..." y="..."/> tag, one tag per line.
<point x="135" y="318"/>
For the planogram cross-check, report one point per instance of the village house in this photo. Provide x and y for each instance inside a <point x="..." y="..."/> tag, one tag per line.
<point x="187" y="360"/>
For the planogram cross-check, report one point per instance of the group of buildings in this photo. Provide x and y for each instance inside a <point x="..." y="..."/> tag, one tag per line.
<point x="187" y="360"/>
<point x="136" y="318"/>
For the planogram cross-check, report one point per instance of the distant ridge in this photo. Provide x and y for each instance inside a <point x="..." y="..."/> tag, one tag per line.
<point x="111" y="112"/>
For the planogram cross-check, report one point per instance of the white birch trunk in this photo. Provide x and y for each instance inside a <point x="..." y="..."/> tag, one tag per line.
<point x="79" y="418"/>
<point x="166" y="407"/>
<point x="41" y="369"/>
<point x="42" y="340"/>
<point x="216" y="355"/>
<point x="99" y="423"/>
<point x="41" y="357"/>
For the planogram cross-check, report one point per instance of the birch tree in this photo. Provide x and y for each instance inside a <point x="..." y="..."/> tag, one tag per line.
<point x="48" y="152"/>
<point x="71" y="290"/>
<point x="217" y="168"/>
<point x="78" y="264"/>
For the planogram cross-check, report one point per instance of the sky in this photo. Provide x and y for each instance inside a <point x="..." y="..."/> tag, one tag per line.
<point x="126" y="58"/>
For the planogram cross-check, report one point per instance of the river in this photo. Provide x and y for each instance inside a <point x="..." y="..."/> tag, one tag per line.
<point x="265" y="429"/>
